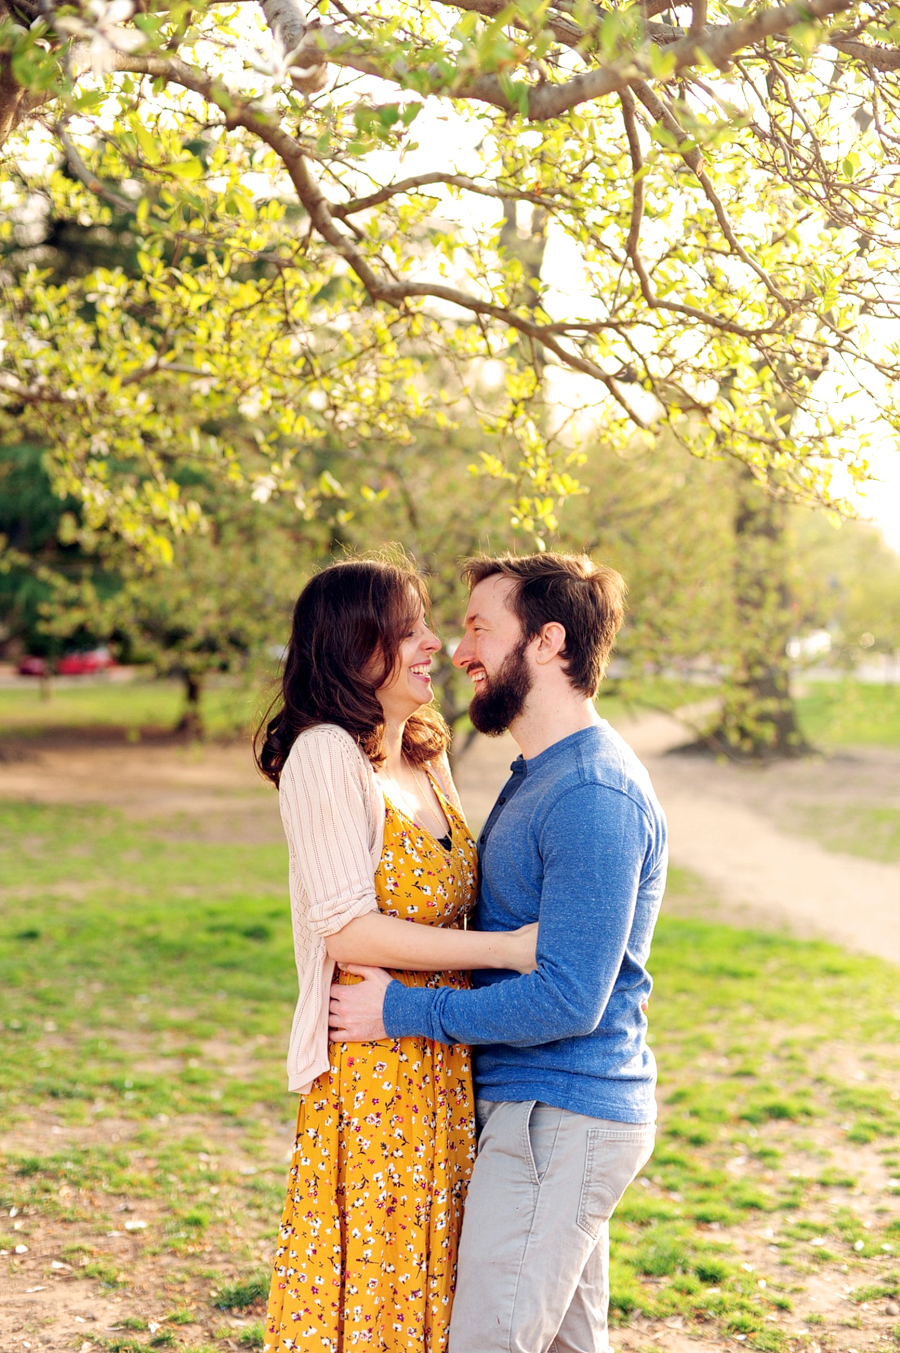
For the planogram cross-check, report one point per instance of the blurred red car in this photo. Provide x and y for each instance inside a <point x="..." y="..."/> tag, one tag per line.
<point x="83" y="664"/>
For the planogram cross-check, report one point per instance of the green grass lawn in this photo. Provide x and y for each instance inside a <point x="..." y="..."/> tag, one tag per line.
<point x="870" y="831"/>
<point x="228" y="708"/>
<point x="146" y="989"/>
<point x="850" y="713"/>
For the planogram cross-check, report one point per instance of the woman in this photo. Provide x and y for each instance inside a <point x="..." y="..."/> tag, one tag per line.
<point x="385" y="1134"/>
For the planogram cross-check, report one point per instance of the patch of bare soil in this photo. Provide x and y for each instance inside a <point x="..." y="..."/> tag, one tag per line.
<point x="102" y="1269"/>
<point x="47" y="1300"/>
<point x="199" y="791"/>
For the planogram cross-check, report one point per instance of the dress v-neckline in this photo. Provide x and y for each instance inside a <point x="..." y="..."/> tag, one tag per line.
<point x="445" y="807"/>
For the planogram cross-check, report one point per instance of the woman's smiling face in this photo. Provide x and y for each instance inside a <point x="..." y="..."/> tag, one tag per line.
<point x="409" y="685"/>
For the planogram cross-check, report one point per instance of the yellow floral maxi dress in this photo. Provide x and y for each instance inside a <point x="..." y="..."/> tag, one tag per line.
<point x="385" y="1144"/>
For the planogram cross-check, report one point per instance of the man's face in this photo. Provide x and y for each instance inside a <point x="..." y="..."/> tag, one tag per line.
<point x="493" y="653"/>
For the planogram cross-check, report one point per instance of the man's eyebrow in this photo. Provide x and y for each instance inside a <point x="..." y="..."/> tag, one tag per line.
<point x="470" y="619"/>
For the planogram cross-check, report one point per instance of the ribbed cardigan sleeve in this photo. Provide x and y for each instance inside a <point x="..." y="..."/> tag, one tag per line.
<point x="326" y="816"/>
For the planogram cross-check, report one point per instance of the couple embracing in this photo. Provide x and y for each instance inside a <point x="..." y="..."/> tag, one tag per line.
<point x="531" y="950"/>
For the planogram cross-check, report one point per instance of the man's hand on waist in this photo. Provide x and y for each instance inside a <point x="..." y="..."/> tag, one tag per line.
<point x="355" y="1012"/>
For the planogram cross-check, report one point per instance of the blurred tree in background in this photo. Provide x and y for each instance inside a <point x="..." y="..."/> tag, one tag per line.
<point x="222" y="605"/>
<point x="849" y="585"/>
<point x="32" y="545"/>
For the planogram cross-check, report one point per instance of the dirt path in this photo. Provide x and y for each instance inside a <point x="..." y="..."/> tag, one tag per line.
<point x="214" y="786"/>
<point x="726" y="824"/>
<point x="729" y="825"/>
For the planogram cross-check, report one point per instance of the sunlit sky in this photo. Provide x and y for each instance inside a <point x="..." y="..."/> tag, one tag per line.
<point x="881" y="501"/>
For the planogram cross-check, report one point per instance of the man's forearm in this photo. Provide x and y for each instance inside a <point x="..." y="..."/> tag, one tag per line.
<point x="522" y="1012"/>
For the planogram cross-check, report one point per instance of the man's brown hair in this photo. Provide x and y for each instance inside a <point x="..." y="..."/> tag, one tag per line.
<point x="587" y="599"/>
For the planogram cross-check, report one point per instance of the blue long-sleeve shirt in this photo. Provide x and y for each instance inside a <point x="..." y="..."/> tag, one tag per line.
<point x="577" y="842"/>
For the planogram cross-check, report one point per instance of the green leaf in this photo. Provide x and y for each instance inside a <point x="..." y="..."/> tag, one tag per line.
<point x="148" y="144"/>
<point x="189" y="169"/>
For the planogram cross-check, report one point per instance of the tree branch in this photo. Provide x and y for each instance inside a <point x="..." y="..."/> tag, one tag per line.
<point x="632" y="244"/>
<point x="877" y="58"/>
<point x="89" y="179"/>
<point x="410" y="185"/>
<point x="310" y="48"/>
<point x="694" y="160"/>
<point x="543" y="101"/>
<point x="319" y="209"/>
<point x="698" y="20"/>
<point x="566" y="31"/>
<point x="309" y="72"/>
<point x="398" y="293"/>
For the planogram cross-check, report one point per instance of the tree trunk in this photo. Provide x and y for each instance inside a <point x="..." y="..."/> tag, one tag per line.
<point x="758" y="720"/>
<point x="191" y="721"/>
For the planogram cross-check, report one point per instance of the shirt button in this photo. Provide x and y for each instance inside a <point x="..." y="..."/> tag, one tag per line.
<point x="481" y="841"/>
<point x="502" y="798"/>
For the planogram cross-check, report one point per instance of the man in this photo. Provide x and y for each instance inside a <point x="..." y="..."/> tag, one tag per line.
<point x="563" y="1076"/>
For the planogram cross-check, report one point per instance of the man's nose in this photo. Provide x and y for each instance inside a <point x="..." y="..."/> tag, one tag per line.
<point x="463" y="653"/>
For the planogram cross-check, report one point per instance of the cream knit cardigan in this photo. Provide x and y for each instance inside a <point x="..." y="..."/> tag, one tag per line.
<point x="332" y="810"/>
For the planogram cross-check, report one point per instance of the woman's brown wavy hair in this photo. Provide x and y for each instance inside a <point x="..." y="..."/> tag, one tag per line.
<point x="349" y="622"/>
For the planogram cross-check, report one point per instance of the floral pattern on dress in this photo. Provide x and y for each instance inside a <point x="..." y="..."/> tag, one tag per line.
<point x="366" y="1255"/>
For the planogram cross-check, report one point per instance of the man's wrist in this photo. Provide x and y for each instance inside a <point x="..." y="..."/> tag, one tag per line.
<point x="405" y="1011"/>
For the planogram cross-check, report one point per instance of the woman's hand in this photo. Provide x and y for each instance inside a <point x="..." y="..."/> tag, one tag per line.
<point x="521" y="945"/>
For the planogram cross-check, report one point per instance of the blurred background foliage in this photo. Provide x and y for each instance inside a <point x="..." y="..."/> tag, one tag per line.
<point x="223" y="604"/>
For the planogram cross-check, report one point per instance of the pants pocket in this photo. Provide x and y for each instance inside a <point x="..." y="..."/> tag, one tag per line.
<point x="542" y="1129"/>
<point x="613" y="1157"/>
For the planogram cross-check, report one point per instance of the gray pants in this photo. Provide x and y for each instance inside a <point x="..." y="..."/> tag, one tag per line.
<point x="534" y="1253"/>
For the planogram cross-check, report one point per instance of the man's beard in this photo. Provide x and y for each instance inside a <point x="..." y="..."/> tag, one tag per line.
<point x="494" y="709"/>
